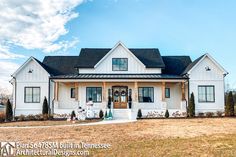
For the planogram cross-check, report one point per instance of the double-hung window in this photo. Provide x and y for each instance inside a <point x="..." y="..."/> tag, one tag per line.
<point x="94" y="94"/>
<point x="206" y="93"/>
<point x="146" y="94"/>
<point x="32" y="95"/>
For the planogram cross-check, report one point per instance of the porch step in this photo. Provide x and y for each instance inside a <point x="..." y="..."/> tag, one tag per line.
<point x="121" y="113"/>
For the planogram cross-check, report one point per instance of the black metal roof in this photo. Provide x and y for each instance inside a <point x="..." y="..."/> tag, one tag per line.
<point x="89" y="57"/>
<point x="118" y="76"/>
<point x="175" y="64"/>
<point x="151" y="58"/>
<point x="191" y="65"/>
<point x="60" y="65"/>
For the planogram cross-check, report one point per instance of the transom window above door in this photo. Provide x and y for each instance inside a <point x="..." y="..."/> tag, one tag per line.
<point x="119" y="64"/>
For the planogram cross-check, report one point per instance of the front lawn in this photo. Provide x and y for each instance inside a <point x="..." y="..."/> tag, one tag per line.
<point x="161" y="137"/>
<point x="45" y="123"/>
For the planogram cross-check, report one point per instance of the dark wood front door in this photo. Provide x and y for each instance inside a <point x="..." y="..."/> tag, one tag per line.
<point x="120" y="96"/>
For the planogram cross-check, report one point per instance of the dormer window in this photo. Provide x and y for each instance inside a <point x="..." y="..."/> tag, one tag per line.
<point x="119" y="64"/>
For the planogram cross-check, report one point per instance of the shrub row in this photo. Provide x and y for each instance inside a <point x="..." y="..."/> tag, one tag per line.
<point x="211" y="114"/>
<point x="200" y="114"/>
<point x="33" y="117"/>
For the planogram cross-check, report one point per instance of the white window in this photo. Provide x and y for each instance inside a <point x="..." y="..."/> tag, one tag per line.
<point x="32" y="94"/>
<point x="206" y="93"/>
<point x="146" y="94"/>
<point x="94" y="94"/>
<point x="119" y="64"/>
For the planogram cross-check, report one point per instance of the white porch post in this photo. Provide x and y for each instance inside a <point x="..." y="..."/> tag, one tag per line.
<point x="163" y="87"/>
<point x="104" y="95"/>
<point x="56" y="91"/>
<point x="183" y="97"/>
<point x="135" y="91"/>
<point x="77" y="93"/>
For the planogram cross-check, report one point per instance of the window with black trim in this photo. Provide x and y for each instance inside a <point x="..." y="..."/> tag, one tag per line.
<point x="32" y="95"/>
<point x="167" y="92"/>
<point x="119" y="64"/>
<point x="206" y="93"/>
<point x="94" y="94"/>
<point x="72" y="93"/>
<point x="146" y="94"/>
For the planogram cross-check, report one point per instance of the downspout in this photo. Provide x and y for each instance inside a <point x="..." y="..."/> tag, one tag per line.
<point x="49" y="102"/>
<point x="15" y="84"/>
<point x="52" y="101"/>
<point x="188" y="94"/>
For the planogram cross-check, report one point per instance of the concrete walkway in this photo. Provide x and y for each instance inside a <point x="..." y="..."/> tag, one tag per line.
<point x="104" y="122"/>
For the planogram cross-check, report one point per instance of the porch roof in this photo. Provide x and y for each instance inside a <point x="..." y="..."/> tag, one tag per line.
<point x="118" y="76"/>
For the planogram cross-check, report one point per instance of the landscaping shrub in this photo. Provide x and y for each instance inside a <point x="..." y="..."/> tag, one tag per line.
<point x="219" y="114"/>
<point x="16" y="118"/>
<point x="191" y="106"/>
<point x="50" y="116"/>
<point x="2" y="116"/>
<point x="72" y="116"/>
<point x="45" y="109"/>
<point x="22" y="117"/>
<point x="38" y="117"/>
<point x="30" y="117"/>
<point x="139" y="115"/>
<point x="167" y="114"/>
<point x="101" y="114"/>
<point x="200" y="114"/>
<point x="209" y="114"/>
<point x="9" y="112"/>
<point x="229" y="107"/>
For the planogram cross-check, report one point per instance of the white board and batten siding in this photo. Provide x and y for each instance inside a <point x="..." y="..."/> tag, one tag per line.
<point x="134" y="65"/>
<point x="38" y="78"/>
<point x="200" y="76"/>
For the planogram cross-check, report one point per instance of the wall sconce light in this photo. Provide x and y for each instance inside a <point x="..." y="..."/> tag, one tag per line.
<point x="30" y="71"/>
<point x="207" y="68"/>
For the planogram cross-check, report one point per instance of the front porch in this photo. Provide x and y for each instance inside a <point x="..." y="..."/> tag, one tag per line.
<point x="124" y="96"/>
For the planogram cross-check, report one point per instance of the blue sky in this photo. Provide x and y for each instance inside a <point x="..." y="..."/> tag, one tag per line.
<point x="180" y="27"/>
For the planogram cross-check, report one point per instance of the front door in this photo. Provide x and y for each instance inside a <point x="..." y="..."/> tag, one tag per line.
<point x="120" y="96"/>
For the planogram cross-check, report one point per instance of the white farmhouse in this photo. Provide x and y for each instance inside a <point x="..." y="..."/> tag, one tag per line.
<point x="131" y="79"/>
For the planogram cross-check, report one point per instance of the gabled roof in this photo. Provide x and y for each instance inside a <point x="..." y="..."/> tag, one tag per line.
<point x="198" y="60"/>
<point x="89" y="57"/>
<point x="114" y="48"/>
<point x="26" y="62"/>
<point x="190" y="66"/>
<point x="175" y="64"/>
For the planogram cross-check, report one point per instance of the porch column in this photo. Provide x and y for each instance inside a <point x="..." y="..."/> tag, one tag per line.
<point x="76" y="91"/>
<point x="104" y="91"/>
<point x="183" y="90"/>
<point x="56" y="89"/>
<point x="135" y="91"/>
<point x="163" y="90"/>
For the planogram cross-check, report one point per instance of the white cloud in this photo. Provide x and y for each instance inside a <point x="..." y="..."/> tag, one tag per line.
<point x="33" y="24"/>
<point x="6" y="69"/>
<point x="5" y="54"/>
<point x="36" y="24"/>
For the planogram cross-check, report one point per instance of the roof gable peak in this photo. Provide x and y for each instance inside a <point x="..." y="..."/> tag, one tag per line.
<point x="119" y="43"/>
